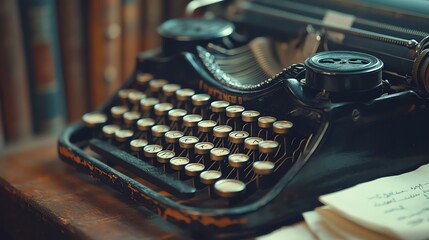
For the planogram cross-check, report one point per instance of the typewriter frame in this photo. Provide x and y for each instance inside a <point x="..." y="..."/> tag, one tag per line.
<point x="374" y="120"/>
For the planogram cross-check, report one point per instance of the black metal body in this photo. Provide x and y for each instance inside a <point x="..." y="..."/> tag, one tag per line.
<point x="352" y="142"/>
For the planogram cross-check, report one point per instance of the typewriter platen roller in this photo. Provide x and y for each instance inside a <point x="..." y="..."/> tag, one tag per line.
<point x="215" y="134"/>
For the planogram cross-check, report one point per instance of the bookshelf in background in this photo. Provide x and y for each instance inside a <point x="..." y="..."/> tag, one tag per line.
<point x="74" y="61"/>
<point x="43" y="64"/>
<point x="15" y="102"/>
<point x="61" y="58"/>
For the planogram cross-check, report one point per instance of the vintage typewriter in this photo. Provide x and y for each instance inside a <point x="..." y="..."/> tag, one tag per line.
<point x="240" y="122"/>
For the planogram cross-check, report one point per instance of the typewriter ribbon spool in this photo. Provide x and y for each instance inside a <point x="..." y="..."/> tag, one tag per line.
<point x="345" y="74"/>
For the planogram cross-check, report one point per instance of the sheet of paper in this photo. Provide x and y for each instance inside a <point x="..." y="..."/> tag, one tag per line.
<point x="298" y="231"/>
<point x="346" y="228"/>
<point x="318" y="227"/>
<point x="397" y="206"/>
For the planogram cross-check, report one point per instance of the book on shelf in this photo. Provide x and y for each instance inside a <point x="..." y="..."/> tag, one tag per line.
<point x="175" y="9"/>
<point x="72" y="37"/>
<point x="2" y="135"/>
<point x="104" y="49"/>
<point x="43" y="64"/>
<point x="131" y="27"/>
<point x="14" y="92"/>
<point x="152" y="18"/>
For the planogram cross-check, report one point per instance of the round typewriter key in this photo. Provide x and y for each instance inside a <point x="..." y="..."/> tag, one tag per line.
<point x="266" y="121"/>
<point x="206" y="125"/>
<point x="229" y="187"/>
<point x="123" y="93"/>
<point x="252" y="143"/>
<point x="219" y="106"/>
<point x="164" y="156"/>
<point x="131" y="117"/>
<point x="161" y="109"/>
<point x="152" y="150"/>
<point x="156" y="85"/>
<point x="222" y="131"/>
<point x="203" y="148"/>
<point x="109" y="130"/>
<point x="209" y="177"/>
<point x="184" y="94"/>
<point x="250" y="116"/>
<point x="144" y="78"/>
<point x="234" y="111"/>
<point x="138" y="144"/>
<point x="118" y="111"/>
<point x="176" y="114"/>
<point x="263" y="167"/>
<point x="136" y="96"/>
<point x="201" y="99"/>
<point x="219" y="154"/>
<point x="148" y="103"/>
<point x="94" y="119"/>
<point x="160" y="130"/>
<point x="188" y="141"/>
<point x="238" y="136"/>
<point x="173" y="136"/>
<point x="194" y="169"/>
<point x="178" y="163"/>
<point x="282" y="127"/>
<point x="145" y="124"/>
<point x="122" y="135"/>
<point x="238" y="160"/>
<point x="191" y="120"/>
<point x="170" y="89"/>
<point x="268" y="146"/>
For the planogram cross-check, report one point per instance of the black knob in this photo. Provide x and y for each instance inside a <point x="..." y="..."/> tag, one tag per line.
<point x="421" y="71"/>
<point x="185" y="34"/>
<point x="343" y="72"/>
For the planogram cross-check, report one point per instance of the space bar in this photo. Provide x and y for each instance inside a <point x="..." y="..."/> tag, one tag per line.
<point x="142" y="169"/>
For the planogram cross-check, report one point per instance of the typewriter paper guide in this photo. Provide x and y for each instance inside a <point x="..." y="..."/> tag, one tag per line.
<point x="397" y="205"/>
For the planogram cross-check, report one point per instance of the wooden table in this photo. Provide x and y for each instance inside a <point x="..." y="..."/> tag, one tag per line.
<point x="42" y="197"/>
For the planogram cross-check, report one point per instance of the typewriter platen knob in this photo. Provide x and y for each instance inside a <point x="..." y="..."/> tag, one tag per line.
<point x="421" y="71"/>
<point x="345" y="74"/>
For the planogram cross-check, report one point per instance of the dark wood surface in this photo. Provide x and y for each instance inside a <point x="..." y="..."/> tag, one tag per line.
<point x="42" y="197"/>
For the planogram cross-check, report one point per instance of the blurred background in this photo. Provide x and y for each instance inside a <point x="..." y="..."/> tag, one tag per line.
<point x="62" y="58"/>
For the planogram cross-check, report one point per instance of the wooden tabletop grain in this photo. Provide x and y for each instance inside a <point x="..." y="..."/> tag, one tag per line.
<point x="42" y="197"/>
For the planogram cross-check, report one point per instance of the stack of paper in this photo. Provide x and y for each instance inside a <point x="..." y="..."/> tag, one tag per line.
<point x="394" y="207"/>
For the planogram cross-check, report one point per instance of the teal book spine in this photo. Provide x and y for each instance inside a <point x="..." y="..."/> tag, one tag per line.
<point x="43" y="64"/>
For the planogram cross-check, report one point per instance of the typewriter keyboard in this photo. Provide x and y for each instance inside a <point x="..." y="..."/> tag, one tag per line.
<point x="188" y="145"/>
